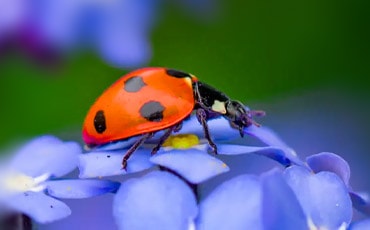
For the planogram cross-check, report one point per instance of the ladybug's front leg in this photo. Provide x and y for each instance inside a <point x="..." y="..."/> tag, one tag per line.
<point x="202" y="118"/>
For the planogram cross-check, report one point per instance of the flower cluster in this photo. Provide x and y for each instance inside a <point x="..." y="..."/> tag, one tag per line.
<point x="167" y="190"/>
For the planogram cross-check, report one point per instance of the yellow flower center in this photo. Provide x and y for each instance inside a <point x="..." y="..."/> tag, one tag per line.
<point x="181" y="141"/>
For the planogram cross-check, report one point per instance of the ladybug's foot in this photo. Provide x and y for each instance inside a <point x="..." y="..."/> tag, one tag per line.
<point x="124" y="164"/>
<point x="202" y="118"/>
<point x="133" y="148"/>
<point x="214" y="148"/>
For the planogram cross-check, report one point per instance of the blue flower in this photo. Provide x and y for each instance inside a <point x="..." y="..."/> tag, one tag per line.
<point x="294" y="198"/>
<point x="311" y="195"/>
<point x="192" y="162"/>
<point x="26" y="184"/>
<point x="323" y="195"/>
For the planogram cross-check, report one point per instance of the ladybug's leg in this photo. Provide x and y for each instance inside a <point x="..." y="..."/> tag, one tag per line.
<point x="174" y="128"/>
<point x="202" y="118"/>
<point x="133" y="148"/>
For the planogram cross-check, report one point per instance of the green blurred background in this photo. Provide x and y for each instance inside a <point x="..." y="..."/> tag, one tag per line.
<point x="259" y="52"/>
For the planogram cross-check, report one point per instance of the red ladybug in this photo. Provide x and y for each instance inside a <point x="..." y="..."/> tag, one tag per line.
<point x="152" y="99"/>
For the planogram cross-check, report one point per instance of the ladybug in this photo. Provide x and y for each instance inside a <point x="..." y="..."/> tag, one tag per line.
<point x="153" y="99"/>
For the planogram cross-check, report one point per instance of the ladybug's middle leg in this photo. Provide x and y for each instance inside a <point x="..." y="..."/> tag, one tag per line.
<point x="174" y="128"/>
<point x="133" y="148"/>
<point x="202" y="118"/>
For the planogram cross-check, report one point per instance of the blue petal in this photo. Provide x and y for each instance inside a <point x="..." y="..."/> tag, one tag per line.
<point x="77" y="189"/>
<point x="123" y="39"/>
<point x="330" y="162"/>
<point x="39" y="207"/>
<point x="270" y="138"/>
<point x="46" y="154"/>
<point x="281" y="209"/>
<point x="267" y="136"/>
<point x="274" y="153"/>
<point x="109" y="163"/>
<point x="361" y="202"/>
<point x="124" y="50"/>
<point x="158" y="200"/>
<point x="219" y="128"/>
<point x="121" y="144"/>
<point x="59" y="20"/>
<point x="360" y="225"/>
<point x="323" y="196"/>
<point x="194" y="165"/>
<point x="235" y="204"/>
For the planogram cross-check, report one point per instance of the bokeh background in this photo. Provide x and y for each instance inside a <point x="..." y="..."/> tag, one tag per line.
<point x="307" y="63"/>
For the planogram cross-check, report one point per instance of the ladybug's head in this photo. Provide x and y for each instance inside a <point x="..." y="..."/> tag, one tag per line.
<point x="239" y="116"/>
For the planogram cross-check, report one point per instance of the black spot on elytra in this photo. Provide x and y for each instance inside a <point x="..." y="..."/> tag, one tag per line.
<point x="108" y="156"/>
<point x="99" y="121"/>
<point x="51" y="206"/>
<point x="177" y="73"/>
<point x="133" y="84"/>
<point x="152" y="111"/>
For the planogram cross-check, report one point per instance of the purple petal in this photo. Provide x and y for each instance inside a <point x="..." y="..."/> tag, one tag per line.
<point x="360" y="225"/>
<point x="77" y="189"/>
<point x="194" y="165"/>
<point x="158" y="200"/>
<point x="235" y="204"/>
<point x="281" y="209"/>
<point x="109" y="163"/>
<point x="361" y="202"/>
<point x="330" y="162"/>
<point x="274" y="153"/>
<point x="39" y="207"/>
<point x="52" y="156"/>
<point x="323" y="196"/>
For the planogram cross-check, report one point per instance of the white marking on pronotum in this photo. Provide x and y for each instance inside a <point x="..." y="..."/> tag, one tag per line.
<point x="219" y="106"/>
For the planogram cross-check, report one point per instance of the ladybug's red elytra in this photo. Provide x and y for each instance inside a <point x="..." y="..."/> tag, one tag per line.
<point x="153" y="99"/>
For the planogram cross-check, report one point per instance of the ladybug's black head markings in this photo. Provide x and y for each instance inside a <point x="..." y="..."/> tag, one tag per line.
<point x="99" y="122"/>
<point x="216" y="104"/>
<point x="152" y="111"/>
<point x="133" y="84"/>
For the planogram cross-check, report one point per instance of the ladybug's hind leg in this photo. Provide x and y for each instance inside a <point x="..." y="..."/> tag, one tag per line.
<point x="174" y="128"/>
<point x="202" y="118"/>
<point x="133" y="148"/>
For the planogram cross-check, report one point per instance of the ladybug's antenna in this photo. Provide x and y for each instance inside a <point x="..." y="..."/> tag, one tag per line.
<point x="254" y="113"/>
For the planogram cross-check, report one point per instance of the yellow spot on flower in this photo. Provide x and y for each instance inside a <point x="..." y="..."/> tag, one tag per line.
<point x="181" y="141"/>
<point x="224" y="165"/>
<point x="19" y="182"/>
<point x="12" y="181"/>
<point x="69" y="188"/>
